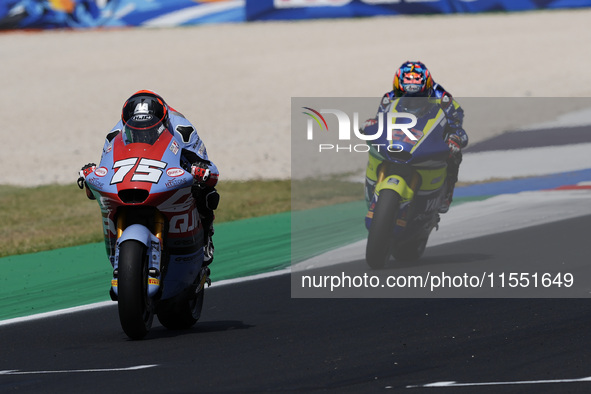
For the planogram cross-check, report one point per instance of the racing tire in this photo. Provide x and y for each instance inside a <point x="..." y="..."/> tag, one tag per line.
<point x="136" y="311"/>
<point x="182" y="314"/>
<point x="377" y="252"/>
<point x="410" y="251"/>
<point x="184" y="311"/>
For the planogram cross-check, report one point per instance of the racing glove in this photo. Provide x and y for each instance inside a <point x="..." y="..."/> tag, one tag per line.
<point x="368" y="123"/>
<point x="84" y="172"/>
<point x="454" y="143"/>
<point x="203" y="175"/>
<point x="87" y="170"/>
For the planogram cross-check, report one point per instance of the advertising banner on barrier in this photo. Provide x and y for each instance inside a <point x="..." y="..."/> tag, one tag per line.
<point x="308" y="9"/>
<point x="49" y="14"/>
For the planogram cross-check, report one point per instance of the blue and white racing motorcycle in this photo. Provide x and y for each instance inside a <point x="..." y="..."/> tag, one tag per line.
<point x="153" y="234"/>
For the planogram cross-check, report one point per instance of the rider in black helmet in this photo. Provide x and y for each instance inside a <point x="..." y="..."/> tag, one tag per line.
<point x="145" y="115"/>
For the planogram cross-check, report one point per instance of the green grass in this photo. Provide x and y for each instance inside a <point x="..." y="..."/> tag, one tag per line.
<point x="241" y="200"/>
<point x="56" y="216"/>
<point x="313" y="193"/>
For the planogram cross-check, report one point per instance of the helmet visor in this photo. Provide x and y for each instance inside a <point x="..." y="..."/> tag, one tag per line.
<point x="144" y="128"/>
<point x="413" y="82"/>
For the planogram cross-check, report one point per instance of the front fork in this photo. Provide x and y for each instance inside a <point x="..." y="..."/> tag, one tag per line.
<point x="152" y="241"/>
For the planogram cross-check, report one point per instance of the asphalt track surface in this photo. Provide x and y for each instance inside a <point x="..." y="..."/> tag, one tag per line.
<point x="253" y="337"/>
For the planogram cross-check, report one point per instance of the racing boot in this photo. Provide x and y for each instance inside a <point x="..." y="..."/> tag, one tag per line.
<point x="453" y="168"/>
<point x="208" y="248"/>
<point x="448" y="197"/>
<point x="207" y="200"/>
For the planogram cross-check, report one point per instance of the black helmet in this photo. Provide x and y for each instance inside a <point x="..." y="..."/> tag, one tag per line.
<point x="144" y="116"/>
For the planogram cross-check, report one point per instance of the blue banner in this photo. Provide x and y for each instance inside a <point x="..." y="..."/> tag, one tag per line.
<point x="307" y="9"/>
<point x="48" y="14"/>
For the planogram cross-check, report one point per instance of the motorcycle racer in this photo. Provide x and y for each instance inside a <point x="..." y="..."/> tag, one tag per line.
<point x="145" y="115"/>
<point x="413" y="79"/>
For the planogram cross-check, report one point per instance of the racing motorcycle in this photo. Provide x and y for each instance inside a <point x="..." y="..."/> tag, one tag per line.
<point x="407" y="171"/>
<point x="152" y="231"/>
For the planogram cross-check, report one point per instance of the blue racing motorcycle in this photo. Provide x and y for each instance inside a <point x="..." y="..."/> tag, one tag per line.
<point x="405" y="180"/>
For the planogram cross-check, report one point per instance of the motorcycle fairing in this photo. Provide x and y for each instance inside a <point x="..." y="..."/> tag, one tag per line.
<point x="430" y="145"/>
<point x="427" y="149"/>
<point x="156" y="172"/>
<point x="432" y="178"/>
<point x="423" y="159"/>
<point x="428" y="127"/>
<point x="398" y="184"/>
<point x="426" y="197"/>
<point x="133" y="167"/>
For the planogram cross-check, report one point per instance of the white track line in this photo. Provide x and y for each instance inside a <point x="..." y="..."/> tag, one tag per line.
<point x="455" y="384"/>
<point x="134" y="368"/>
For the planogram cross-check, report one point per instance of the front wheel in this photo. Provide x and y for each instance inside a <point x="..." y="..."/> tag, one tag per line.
<point x="136" y="311"/>
<point x="379" y="239"/>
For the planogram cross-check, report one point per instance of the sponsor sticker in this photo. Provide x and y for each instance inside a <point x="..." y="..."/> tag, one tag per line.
<point x="95" y="182"/>
<point x="142" y="117"/>
<point x="174" y="147"/>
<point x="101" y="171"/>
<point x="173" y="183"/>
<point x="174" y="172"/>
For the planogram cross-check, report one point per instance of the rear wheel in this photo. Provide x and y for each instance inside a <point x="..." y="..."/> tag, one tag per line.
<point x="410" y="251"/>
<point x="382" y="225"/>
<point x="182" y="314"/>
<point x="136" y="311"/>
